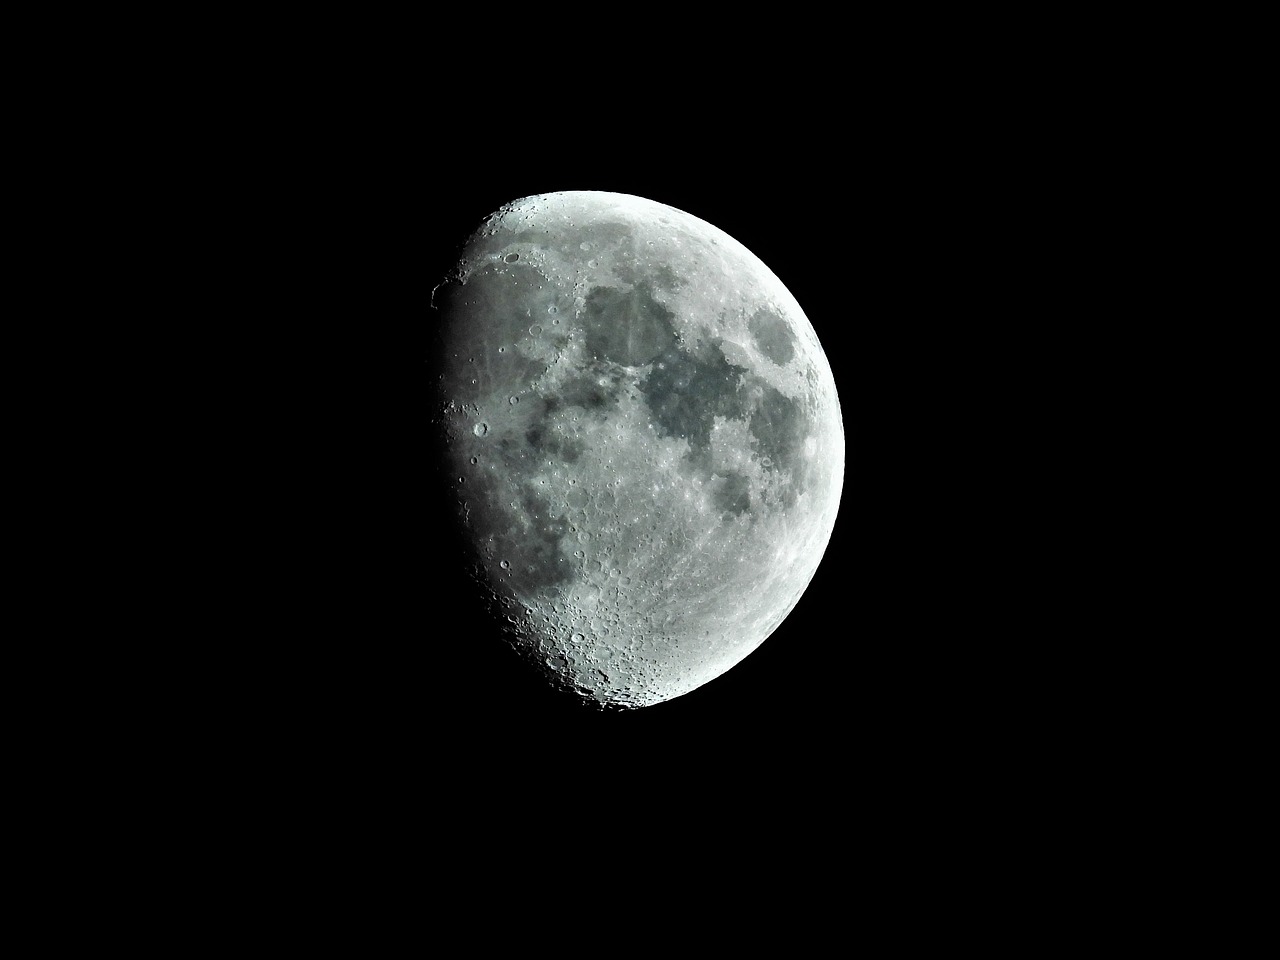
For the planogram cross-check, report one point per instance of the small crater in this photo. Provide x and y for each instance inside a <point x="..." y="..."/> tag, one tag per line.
<point x="480" y="429"/>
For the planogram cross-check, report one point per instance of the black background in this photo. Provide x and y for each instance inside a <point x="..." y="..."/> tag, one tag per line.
<point x="927" y="636"/>
<point x="924" y="663"/>
<point x="904" y="704"/>
<point x="934" y="673"/>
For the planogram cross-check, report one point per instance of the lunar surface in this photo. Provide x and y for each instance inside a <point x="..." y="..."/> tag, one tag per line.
<point x="643" y="441"/>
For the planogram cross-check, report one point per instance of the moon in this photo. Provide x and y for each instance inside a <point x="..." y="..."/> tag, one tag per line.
<point x="642" y="440"/>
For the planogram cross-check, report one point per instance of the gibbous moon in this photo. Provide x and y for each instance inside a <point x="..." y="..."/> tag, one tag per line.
<point x="642" y="437"/>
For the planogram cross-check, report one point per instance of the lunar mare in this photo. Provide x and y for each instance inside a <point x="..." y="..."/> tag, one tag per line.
<point x="643" y="439"/>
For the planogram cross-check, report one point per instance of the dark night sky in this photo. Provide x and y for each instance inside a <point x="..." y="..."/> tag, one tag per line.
<point x="934" y="659"/>
<point x="898" y="650"/>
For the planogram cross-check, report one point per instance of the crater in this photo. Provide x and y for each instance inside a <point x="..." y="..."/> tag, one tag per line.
<point x="773" y="335"/>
